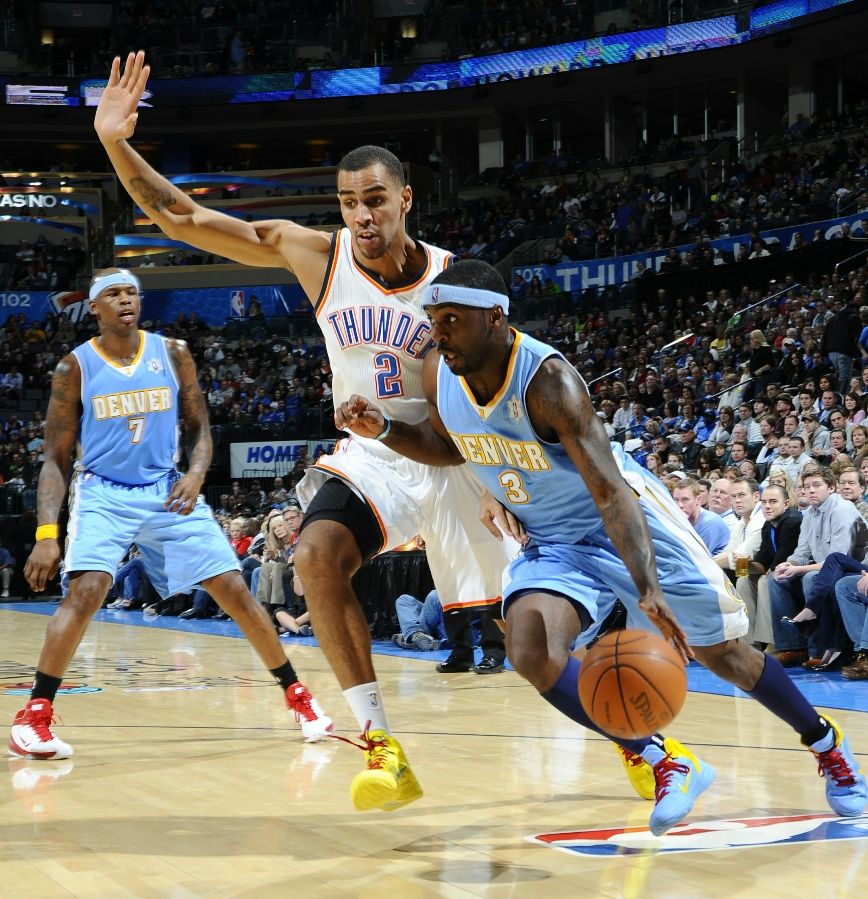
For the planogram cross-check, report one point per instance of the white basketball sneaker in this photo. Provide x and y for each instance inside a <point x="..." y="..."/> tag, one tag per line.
<point x="31" y="736"/>
<point x="315" y="724"/>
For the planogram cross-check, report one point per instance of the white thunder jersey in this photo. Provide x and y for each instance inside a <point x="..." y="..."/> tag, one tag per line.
<point x="376" y="337"/>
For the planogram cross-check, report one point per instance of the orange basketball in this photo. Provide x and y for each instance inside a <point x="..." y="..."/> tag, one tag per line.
<point x="632" y="683"/>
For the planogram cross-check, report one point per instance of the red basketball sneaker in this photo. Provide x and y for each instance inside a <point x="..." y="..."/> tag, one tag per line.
<point x="314" y="723"/>
<point x="31" y="736"/>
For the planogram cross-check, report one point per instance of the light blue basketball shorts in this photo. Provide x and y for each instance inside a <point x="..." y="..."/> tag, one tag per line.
<point x="591" y="573"/>
<point x="178" y="551"/>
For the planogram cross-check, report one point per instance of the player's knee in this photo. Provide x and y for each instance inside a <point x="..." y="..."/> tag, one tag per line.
<point x="316" y="559"/>
<point x="86" y="594"/>
<point x="529" y="660"/>
<point x="733" y="660"/>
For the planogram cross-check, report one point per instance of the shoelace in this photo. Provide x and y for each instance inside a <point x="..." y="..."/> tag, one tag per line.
<point x="40" y="723"/>
<point x="376" y="749"/>
<point x="632" y="758"/>
<point x="663" y="772"/>
<point x="300" y="701"/>
<point x="833" y="763"/>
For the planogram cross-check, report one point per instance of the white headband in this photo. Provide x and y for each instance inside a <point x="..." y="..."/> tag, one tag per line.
<point x="443" y="294"/>
<point x="122" y="276"/>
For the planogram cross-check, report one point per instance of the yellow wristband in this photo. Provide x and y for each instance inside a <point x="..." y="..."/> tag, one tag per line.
<point x="47" y="532"/>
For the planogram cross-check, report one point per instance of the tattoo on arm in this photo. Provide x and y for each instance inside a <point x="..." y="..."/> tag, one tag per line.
<point x="561" y="409"/>
<point x="61" y="428"/>
<point x="192" y="409"/>
<point x="152" y="196"/>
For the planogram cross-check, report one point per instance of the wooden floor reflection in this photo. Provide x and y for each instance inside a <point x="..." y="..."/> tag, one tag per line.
<point x="190" y="780"/>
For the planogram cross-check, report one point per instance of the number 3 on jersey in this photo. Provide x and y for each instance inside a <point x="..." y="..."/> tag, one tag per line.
<point x="514" y="487"/>
<point x="388" y="376"/>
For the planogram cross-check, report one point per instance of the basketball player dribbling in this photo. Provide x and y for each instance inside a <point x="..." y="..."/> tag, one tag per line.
<point x="120" y="398"/>
<point x="599" y="525"/>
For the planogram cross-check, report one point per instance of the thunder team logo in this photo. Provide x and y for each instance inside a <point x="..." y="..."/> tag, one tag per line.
<point x="707" y="836"/>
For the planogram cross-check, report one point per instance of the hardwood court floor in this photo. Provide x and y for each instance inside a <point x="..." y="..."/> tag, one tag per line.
<point x="190" y="780"/>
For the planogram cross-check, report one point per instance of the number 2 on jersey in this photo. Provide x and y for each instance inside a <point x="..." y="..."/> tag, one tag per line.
<point x="388" y="376"/>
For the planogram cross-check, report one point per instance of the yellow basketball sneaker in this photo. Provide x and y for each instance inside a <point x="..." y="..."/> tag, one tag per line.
<point x="639" y="772"/>
<point x="387" y="782"/>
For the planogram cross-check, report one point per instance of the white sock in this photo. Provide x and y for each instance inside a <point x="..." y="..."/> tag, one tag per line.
<point x="366" y="703"/>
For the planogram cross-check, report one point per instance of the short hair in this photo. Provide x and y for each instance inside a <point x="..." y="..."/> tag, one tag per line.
<point x="751" y="483"/>
<point x="782" y="490"/>
<point x="688" y="484"/>
<point x="821" y="471"/>
<point x="364" y="157"/>
<point x="740" y="443"/>
<point x="704" y="482"/>
<point x="473" y="273"/>
<point x="857" y="472"/>
<point x="799" y="439"/>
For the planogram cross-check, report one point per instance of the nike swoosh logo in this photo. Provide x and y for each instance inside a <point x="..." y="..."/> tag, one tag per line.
<point x="686" y="786"/>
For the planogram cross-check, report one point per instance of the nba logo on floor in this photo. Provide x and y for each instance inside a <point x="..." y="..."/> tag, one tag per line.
<point x="708" y="836"/>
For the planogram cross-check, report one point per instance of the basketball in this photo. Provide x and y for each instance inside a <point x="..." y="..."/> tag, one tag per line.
<point x="632" y="683"/>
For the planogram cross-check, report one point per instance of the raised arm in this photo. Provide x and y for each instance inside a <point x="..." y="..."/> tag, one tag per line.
<point x="560" y="410"/>
<point x="175" y="213"/>
<point x="427" y="442"/>
<point x="61" y="428"/>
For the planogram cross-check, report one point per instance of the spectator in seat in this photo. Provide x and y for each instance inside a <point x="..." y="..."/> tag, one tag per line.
<point x="829" y="524"/>
<point x="422" y="625"/>
<point x="710" y="527"/>
<point x="7" y="569"/>
<point x="129" y="582"/>
<point x="778" y="540"/>
<point x="744" y="540"/>
<point x="851" y="594"/>
<point x="12" y="383"/>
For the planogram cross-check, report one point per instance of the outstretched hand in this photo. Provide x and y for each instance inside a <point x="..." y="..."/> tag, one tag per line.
<point x="657" y="609"/>
<point x="116" y="114"/>
<point x="360" y="416"/>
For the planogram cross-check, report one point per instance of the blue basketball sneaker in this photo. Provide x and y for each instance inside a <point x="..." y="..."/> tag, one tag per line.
<point x="846" y="791"/>
<point x="681" y="778"/>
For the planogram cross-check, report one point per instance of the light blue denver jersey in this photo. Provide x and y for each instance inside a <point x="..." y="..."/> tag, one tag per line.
<point x="532" y="477"/>
<point x="129" y="424"/>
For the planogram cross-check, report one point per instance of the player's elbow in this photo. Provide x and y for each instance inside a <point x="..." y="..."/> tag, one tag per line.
<point x="174" y="224"/>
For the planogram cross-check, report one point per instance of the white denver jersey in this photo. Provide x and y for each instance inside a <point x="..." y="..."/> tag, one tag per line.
<point x="376" y="336"/>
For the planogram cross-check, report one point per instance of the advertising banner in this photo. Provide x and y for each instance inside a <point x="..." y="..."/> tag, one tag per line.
<point x="578" y="276"/>
<point x="213" y="305"/>
<point x="271" y="458"/>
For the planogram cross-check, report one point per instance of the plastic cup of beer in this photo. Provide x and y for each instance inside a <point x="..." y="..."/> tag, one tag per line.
<point x="741" y="566"/>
